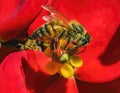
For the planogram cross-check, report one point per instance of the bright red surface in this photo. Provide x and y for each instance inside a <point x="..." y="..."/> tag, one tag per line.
<point x="17" y="15"/>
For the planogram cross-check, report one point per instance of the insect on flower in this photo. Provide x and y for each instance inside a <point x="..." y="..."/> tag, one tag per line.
<point x="59" y="39"/>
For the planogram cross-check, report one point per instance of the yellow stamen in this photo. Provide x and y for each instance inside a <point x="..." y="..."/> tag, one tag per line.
<point x="67" y="70"/>
<point x="76" y="61"/>
<point x="52" y="67"/>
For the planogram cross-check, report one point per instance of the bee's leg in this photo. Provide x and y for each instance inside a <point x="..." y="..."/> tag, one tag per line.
<point x="73" y="51"/>
<point x="53" y="44"/>
<point x="61" y="34"/>
<point x="40" y="44"/>
<point x="54" y="50"/>
<point x="84" y="48"/>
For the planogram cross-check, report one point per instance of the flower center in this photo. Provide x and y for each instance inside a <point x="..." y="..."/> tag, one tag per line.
<point x="64" y="66"/>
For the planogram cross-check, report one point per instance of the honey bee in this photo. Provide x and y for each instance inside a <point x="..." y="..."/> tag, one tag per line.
<point x="72" y="34"/>
<point x="60" y="33"/>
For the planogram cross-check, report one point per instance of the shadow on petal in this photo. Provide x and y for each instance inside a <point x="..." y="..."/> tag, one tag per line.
<point x="4" y="51"/>
<point x="110" y="87"/>
<point x="112" y="51"/>
<point x="39" y="82"/>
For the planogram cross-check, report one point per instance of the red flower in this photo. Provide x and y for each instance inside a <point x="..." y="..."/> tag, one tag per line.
<point x="24" y="72"/>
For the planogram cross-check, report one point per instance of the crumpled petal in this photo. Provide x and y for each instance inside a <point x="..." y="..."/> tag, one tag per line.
<point x="24" y="72"/>
<point x="17" y="15"/>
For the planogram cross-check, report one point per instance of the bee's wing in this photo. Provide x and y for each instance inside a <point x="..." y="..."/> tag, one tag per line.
<point x="54" y="14"/>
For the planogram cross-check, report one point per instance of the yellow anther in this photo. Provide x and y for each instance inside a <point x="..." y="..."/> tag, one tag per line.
<point x="76" y="61"/>
<point x="67" y="70"/>
<point x="52" y="67"/>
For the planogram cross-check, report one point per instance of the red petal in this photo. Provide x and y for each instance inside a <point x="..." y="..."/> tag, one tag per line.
<point x="17" y="15"/>
<point x="110" y="87"/>
<point x="87" y="11"/>
<point x="24" y="72"/>
<point x="96" y="72"/>
<point x="11" y="78"/>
